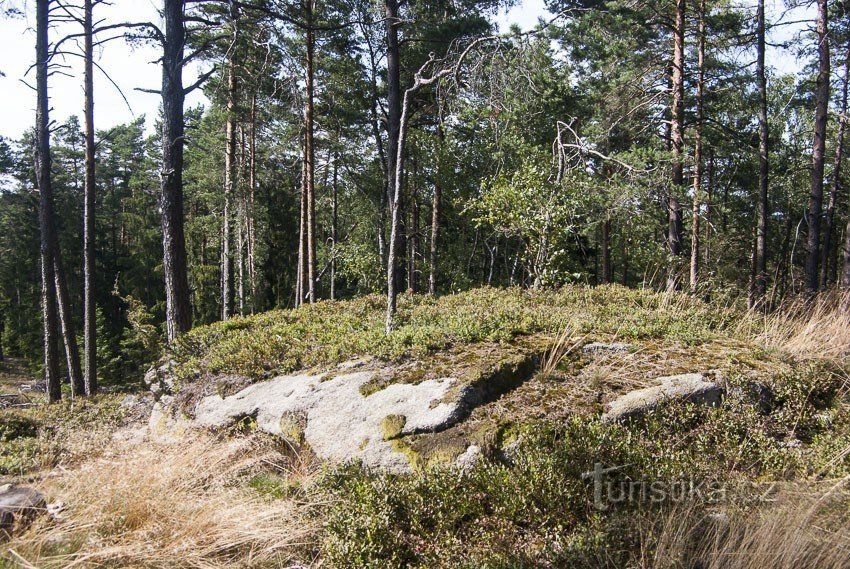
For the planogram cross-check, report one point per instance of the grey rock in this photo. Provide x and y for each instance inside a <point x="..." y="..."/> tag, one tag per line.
<point x="690" y="387"/>
<point x="159" y="379"/>
<point x="19" y="505"/>
<point x="601" y="347"/>
<point x="335" y="419"/>
<point x="469" y="458"/>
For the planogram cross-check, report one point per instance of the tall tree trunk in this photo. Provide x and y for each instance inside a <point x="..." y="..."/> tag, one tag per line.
<point x="836" y="174"/>
<point x="697" y="203"/>
<point x="66" y="324"/>
<point x="413" y="231"/>
<point x="760" y="268"/>
<point x="310" y="155"/>
<point x="89" y="312"/>
<point x="674" y="208"/>
<point x="252" y="184"/>
<point x="45" y="210"/>
<point x="394" y="126"/>
<point x="709" y="207"/>
<point x="334" y="222"/>
<point x="607" y="269"/>
<point x="301" y="283"/>
<point x="178" y="310"/>
<point x="818" y="149"/>
<point x="230" y="173"/>
<point x="435" y="212"/>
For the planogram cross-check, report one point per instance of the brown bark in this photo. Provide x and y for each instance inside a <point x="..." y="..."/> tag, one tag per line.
<point x="89" y="313"/>
<point x="230" y="174"/>
<point x="836" y="174"/>
<point x="45" y="210"/>
<point x="395" y="143"/>
<point x="674" y="208"/>
<point x="815" y="208"/>
<point x="310" y="154"/>
<point x="760" y="259"/>
<point x="178" y="312"/>
<point x="697" y="204"/>
<point x="436" y="205"/>
<point x="607" y="269"/>
<point x="334" y="222"/>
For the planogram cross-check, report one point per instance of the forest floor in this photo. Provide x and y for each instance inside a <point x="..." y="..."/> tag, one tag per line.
<point x="770" y="465"/>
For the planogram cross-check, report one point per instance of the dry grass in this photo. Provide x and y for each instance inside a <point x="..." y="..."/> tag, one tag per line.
<point x="805" y="327"/>
<point x="800" y="528"/>
<point x="147" y="504"/>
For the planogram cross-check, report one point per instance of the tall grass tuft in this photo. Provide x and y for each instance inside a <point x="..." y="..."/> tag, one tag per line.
<point x="805" y="327"/>
<point x="154" y="505"/>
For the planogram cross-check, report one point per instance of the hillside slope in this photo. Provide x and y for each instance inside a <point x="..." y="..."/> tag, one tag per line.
<point x="509" y="483"/>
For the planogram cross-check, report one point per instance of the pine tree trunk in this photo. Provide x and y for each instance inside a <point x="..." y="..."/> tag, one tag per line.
<point x="815" y="208"/>
<point x="674" y="209"/>
<point x="760" y="268"/>
<point x="89" y="312"/>
<point x="435" y="214"/>
<point x="45" y="210"/>
<point x="607" y="269"/>
<point x="310" y="155"/>
<point x="394" y="128"/>
<point x="252" y="184"/>
<point x="66" y="324"/>
<point x="334" y="222"/>
<point x="836" y="175"/>
<point x="300" y="285"/>
<point x="178" y="311"/>
<point x="695" y="210"/>
<point x="229" y="183"/>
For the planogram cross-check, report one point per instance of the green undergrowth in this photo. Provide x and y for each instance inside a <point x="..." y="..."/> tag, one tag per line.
<point x="43" y="436"/>
<point x="327" y="333"/>
<point x="528" y="503"/>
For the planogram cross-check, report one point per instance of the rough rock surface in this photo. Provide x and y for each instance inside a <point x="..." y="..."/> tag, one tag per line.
<point x="469" y="458"/>
<point x="601" y="347"/>
<point x="690" y="387"/>
<point x="18" y="504"/>
<point x="336" y="420"/>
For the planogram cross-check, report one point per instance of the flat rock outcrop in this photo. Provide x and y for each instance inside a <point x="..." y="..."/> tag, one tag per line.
<point x="337" y="421"/>
<point x="689" y="387"/>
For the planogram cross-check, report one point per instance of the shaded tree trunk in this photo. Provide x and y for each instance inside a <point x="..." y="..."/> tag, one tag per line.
<point x="674" y="208"/>
<point x="334" y="222"/>
<point x="230" y="173"/>
<point x="66" y="324"/>
<point x="309" y="155"/>
<point x="45" y="210"/>
<point x="760" y="268"/>
<point x="607" y="269"/>
<point x="695" y="210"/>
<point x="818" y="148"/>
<point x="829" y="221"/>
<point x="394" y="125"/>
<point x="89" y="312"/>
<point x="178" y="311"/>
<point x="436" y="205"/>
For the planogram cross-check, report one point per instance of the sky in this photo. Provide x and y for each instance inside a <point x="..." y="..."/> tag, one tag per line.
<point x="131" y="68"/>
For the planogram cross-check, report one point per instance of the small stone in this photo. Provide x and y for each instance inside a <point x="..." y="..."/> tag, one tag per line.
<point x="18" y="505"/>
<point x="600" y="347"/>
<point x="688" y="387"/>
<point x="469" y="458"/>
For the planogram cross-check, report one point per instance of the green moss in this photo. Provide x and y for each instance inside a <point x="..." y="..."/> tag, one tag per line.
<point x="392" y="425"/>
<point x="327" y="333"/>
